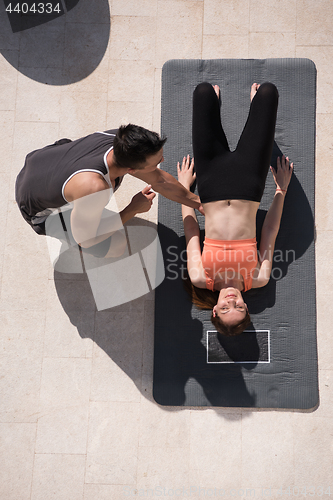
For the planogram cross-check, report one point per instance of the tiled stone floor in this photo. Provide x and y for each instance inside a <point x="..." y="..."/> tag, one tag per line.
<point x="78" y="421"/>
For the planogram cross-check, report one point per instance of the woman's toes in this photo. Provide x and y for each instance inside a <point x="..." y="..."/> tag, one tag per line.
<point x="254" y="89"/>
<point x="217" y="90"/>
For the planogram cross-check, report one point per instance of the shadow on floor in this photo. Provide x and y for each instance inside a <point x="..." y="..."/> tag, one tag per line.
<point x="57" y="48"/>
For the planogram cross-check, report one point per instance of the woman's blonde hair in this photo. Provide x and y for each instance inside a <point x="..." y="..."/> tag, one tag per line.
<point x="206" y="299"/>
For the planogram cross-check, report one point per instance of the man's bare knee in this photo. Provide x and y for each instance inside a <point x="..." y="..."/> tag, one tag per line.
<point x="118" y="245"/>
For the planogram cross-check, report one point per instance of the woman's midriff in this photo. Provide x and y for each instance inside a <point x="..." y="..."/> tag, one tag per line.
<point x="230" y="219"/>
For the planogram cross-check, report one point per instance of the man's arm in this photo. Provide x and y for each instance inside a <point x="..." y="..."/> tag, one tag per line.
<point x="88" y="226"/>
<point x="165" y="184"/>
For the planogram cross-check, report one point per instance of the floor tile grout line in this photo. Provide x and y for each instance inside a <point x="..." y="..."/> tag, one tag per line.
<point x="33" y="463"/>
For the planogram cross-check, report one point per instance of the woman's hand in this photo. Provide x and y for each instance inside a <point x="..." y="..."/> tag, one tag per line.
<point x="283" y="173"/>
<point x="143" y="200"/>
<point x="186" y="175"/>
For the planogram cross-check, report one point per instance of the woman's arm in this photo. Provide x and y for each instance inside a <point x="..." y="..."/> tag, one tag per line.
<point x="186" y="177"/>
<point x="272" y="221"/>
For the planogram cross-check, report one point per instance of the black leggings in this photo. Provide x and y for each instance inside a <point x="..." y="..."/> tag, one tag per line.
<point x="241" y="174"/>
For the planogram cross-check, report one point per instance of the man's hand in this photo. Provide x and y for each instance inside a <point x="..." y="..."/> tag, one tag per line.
<point x="143" y="200"/>
<point x="164" y="183"/>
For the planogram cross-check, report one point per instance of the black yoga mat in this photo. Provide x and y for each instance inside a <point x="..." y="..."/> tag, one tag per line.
<point x="274" y="364"/>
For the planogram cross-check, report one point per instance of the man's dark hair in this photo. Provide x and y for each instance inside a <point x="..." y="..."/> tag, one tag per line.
<point x="133" y="144"/>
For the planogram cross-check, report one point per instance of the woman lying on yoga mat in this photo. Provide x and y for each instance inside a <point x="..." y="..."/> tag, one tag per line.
<point x="230" y="185"/>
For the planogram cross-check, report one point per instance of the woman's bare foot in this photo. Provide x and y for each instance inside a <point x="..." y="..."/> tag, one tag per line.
<point x="217" y="90"/>
<point x="254" y="89"/>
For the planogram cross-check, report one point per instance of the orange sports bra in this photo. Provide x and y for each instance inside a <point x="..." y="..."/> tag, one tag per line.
<point x="239" y="256"/>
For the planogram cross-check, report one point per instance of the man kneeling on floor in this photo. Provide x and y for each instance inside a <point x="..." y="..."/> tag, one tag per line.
<point x="85" y="173"/>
